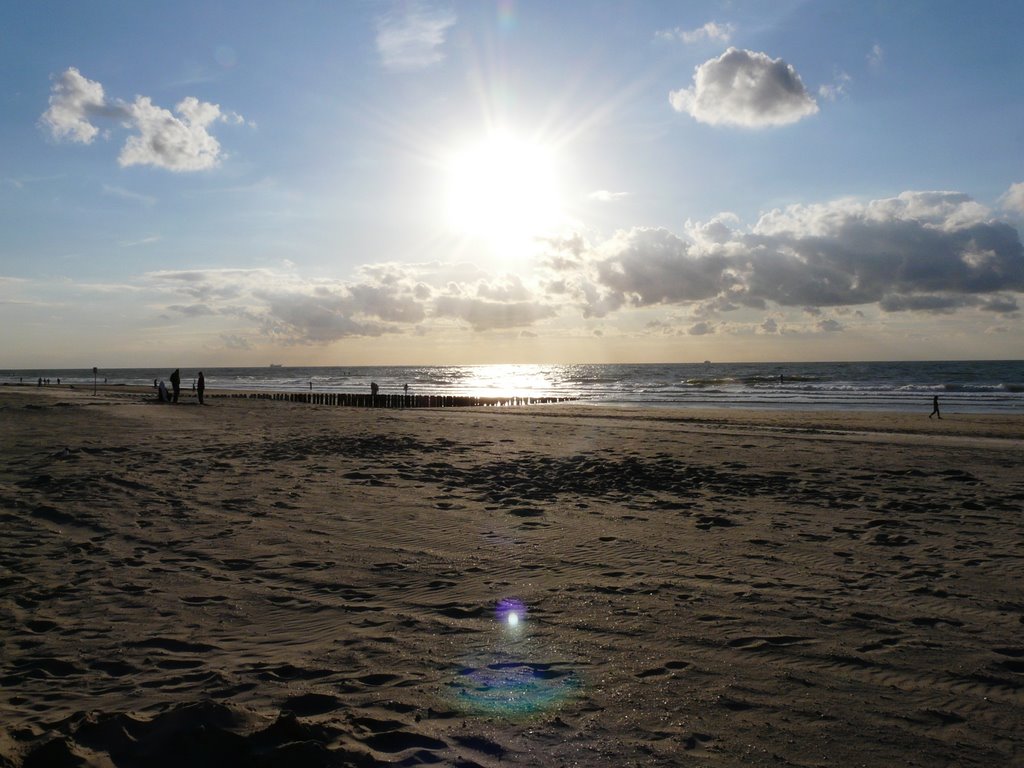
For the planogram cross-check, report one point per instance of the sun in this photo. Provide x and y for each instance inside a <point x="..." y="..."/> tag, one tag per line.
<point x="503" y="190"/>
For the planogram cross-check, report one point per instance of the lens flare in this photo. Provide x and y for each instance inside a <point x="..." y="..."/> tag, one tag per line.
<point x="513" y="688"/>
<point x="510" y="611"/>
<point x="505" y="682"/>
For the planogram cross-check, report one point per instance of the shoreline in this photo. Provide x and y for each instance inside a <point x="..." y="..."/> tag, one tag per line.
<point x="1009" y="426"/>
<point x="902" y="387"/>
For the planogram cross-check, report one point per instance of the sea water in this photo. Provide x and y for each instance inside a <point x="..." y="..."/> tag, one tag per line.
<point x="965" y="386"/>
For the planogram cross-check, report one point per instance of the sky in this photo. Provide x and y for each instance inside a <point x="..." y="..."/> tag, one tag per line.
<point x="369" y="183"/>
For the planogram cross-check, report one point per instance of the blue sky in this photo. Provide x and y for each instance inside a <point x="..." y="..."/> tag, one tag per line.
<point x="420" y="182"/>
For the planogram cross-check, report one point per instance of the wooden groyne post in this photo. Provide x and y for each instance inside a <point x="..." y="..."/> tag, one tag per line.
<point x="350" y="400"/>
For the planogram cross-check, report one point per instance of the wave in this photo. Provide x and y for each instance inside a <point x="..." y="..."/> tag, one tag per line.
<point x="979" y="386"/>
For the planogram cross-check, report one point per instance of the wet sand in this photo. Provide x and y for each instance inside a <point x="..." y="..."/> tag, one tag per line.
<point x="267" y="583"/>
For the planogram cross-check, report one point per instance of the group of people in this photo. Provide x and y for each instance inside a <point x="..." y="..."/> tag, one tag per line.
<point x="375" y="389"/>
<point x="199" y="385"/>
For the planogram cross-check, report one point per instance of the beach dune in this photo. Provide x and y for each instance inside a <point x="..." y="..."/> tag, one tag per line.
<point x="270" y="583"/>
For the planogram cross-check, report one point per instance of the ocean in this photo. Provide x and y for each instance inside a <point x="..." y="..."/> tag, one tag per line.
<point x="962" y="386"/>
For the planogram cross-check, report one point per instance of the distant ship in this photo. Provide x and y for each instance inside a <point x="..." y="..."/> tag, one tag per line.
<point x="276" y="365"/>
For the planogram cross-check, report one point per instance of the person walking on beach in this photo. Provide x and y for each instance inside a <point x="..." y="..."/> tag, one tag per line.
<point x="935" y="408"/>
<point x="200" y="386"/>
<point x="176" y="383"/>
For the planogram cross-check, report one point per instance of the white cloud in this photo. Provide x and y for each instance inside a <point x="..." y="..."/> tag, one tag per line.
<point x="1013" y="200"/>
<point x="74" y="99"/>
<point x="142" y="241"/>
<point x="508" y="288"/>
<point x="604" y="196"/>
<point x="834" y="90"/>
<point x="876" y="57"/>
<point x="176" y="142"/>
<point x="940" y="210"/>
<point x="412" y="35"/>
<point x="747" y="89"/>
<point x="127" y="194"/>
<point x="234" y="341"/>
<point x="710" y="31"/>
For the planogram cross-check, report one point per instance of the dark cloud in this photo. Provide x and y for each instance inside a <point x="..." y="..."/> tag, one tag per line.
<point x="920" y="251"/>
<point x="942" y="305"/>
<point x="654" y="266"/>
<point x="386" y="302"/>
<point x="860" y="261"/>
<point x="192" y="310"/>
<point x="304" y="318"/>
<point x="1002" y="304"/>
<point x="384" y="299"/>
<point x="485" y="315"/>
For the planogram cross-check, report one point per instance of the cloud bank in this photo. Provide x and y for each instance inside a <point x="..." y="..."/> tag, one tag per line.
<point x="383" y="298"/>
<point x="747" y="89"/>
<point x="178" y="141"/>
<point x="920" y="252"/>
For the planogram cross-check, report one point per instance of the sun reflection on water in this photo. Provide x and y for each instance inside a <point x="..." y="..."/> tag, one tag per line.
<point x="508" y="380"/>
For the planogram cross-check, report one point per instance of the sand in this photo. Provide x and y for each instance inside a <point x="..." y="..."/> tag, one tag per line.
<point x="266" y="583"/>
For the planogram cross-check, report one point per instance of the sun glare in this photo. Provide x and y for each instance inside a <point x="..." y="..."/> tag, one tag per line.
<point x="502" y="190"/>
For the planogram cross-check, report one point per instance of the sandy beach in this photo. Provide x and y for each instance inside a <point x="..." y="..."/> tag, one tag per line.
<point x="278" y="584"/>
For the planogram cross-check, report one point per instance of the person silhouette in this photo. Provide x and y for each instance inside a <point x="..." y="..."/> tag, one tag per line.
<point x="200" y="387"/>
<point x="176" y="383"/>
<point x="935" y="408"/>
